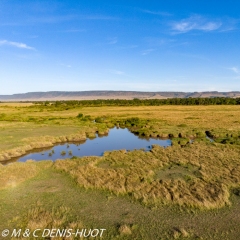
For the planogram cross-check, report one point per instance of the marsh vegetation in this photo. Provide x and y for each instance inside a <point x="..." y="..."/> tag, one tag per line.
<point x="171" y="193"/>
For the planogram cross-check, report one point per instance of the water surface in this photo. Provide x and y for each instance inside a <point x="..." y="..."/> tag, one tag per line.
<point x="115" y="140"/>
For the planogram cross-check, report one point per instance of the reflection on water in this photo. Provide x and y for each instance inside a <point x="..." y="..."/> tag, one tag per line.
<point x="115" y="140"/>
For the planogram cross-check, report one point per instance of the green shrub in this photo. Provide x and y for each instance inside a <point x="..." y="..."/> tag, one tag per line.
<point x="99" y="120"/>
<point x="80" y="115"/>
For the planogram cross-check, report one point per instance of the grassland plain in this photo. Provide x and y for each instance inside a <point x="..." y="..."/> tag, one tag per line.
<point x="187" y="191"/>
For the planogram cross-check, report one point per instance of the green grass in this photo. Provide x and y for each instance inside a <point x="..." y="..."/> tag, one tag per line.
<point x="187" y="191"/>
<point x="33" y="204"/>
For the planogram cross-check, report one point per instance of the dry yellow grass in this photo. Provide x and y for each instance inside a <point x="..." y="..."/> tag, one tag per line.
<point x="200" y="176"/>
<point x="195" y="116"/>
<point x="125" y="230"/>
<point x="15" y="173"/>
<point x="52" y="196"/>
<point x="135" y="173"/>
<point x="40" y="218"/>
<point x="40" y="142"/>
<point x="206" y="117"/>
<point x="24" y="127"/>
<point x="203" y="179"/>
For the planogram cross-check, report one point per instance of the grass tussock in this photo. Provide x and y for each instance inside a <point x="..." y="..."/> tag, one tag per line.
<point x="179" y="233"/>
<point x="203" y="178"/>
<point x="125" y="230"/>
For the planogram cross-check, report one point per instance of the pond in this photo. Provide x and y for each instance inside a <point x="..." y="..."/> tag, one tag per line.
<point x="115" y="140"/>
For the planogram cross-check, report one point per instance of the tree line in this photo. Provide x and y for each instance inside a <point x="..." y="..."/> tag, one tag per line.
<point x="145" y="102"/>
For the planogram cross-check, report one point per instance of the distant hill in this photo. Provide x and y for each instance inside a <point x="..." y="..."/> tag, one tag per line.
<point x="91" y="95"/>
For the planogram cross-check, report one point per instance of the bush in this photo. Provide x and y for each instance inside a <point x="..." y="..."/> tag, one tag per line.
<point x="80" y="115"/>
<point x="99" y="120"/>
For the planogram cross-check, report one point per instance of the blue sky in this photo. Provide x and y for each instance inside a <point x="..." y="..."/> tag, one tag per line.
<point x="119" y="45"/>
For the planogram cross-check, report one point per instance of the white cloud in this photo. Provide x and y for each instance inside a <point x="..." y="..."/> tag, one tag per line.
<point x="195" y="22"/>
<point x="16" y="44"/>
<point x="235" y="69"/>
<point x="32" y="20"/>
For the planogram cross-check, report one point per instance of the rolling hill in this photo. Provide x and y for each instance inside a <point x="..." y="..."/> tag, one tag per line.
<point x="91" y="95"/>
